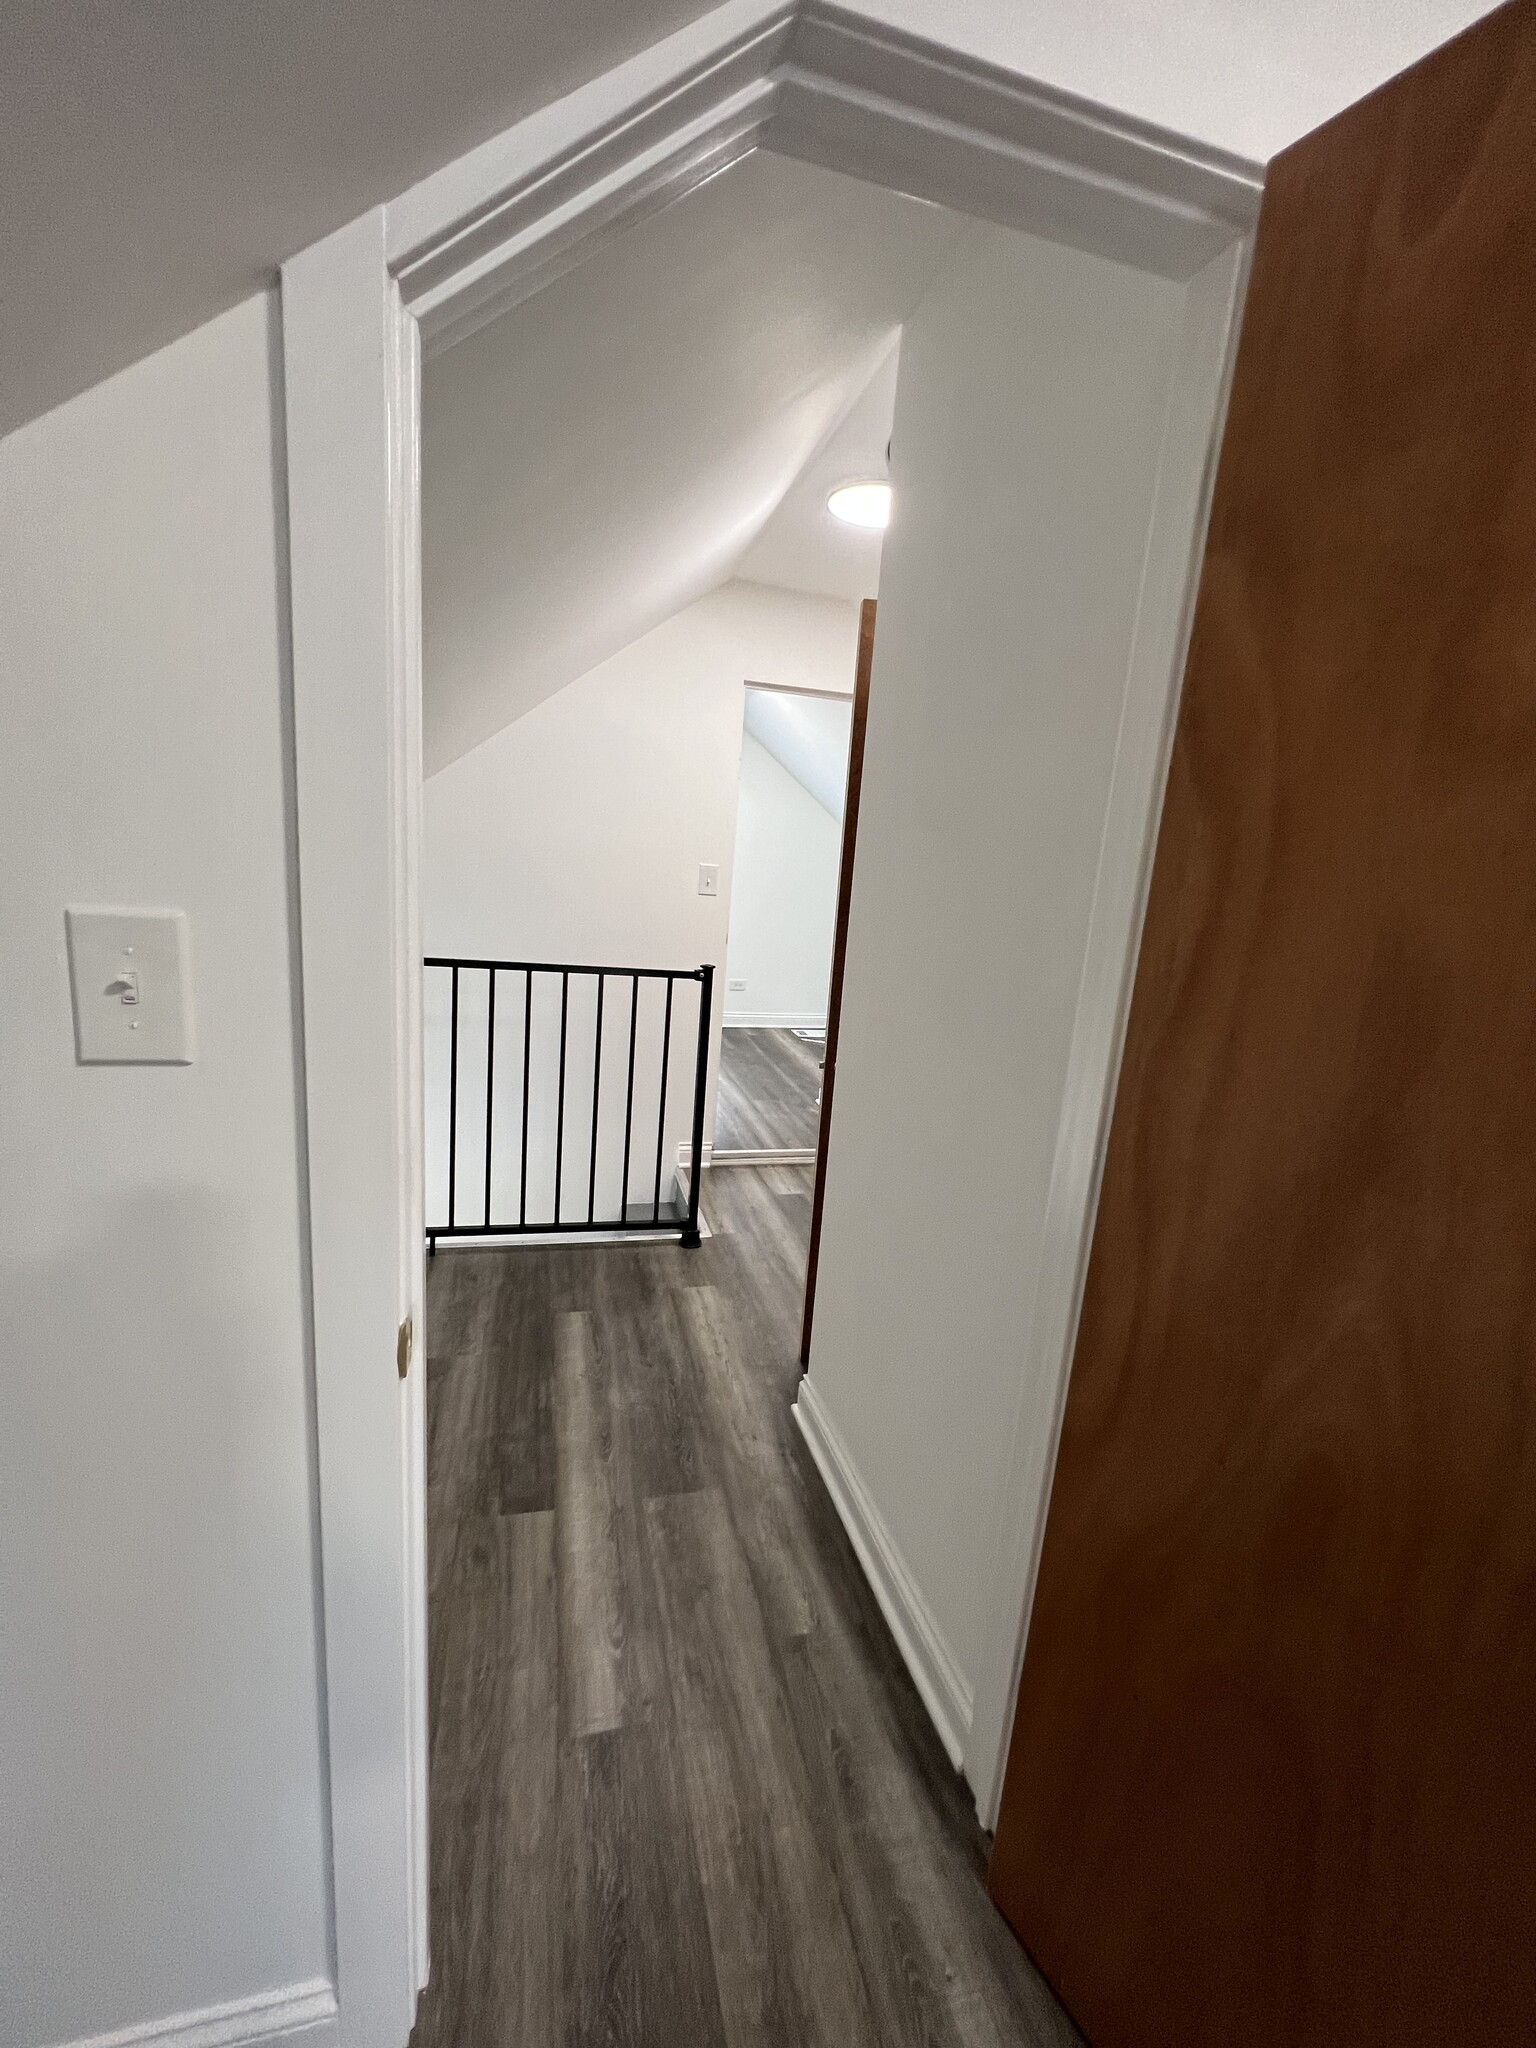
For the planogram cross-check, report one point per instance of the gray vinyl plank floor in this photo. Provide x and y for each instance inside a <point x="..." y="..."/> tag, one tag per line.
<point x="682" y="1789"/>
<point x="768" y="1089"/>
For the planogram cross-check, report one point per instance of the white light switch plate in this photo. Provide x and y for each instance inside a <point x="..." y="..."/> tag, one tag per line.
<point x="130" y="976"/>
<point x="709" y="878"/>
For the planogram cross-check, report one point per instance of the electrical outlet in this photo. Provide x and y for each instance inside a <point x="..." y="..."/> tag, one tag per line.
<point x="709" y="878"/>
<point x="736" y="988"/>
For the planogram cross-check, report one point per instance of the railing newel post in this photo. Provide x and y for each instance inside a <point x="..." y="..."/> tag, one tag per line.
<point x="691" y="1237"/>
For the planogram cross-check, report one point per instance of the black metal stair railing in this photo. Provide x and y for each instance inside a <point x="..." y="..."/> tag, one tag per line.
<point x="531" y="1154"/>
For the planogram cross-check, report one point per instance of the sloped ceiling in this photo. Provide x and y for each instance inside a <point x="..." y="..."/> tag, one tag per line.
<point x="607" y="451"/>
<point x="808" y="737"/>
<point x="803" y="547"/>
<point x="159" y="158"/>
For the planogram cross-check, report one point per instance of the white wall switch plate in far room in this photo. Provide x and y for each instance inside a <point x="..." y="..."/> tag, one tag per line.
<point x="130" y="978"/>
<point x="709" y="878"/>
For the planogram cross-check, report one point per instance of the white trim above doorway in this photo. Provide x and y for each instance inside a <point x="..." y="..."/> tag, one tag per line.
<point x="358" y="310"/>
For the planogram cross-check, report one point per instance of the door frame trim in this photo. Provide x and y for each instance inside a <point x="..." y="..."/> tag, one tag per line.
<point x="847" y="853"/>
<point x="359" y="309"/>
<point x="1171" y="569"/>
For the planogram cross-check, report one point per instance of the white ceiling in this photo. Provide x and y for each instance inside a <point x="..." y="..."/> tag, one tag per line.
<point x="803" y="547"/>
<point x="159" y="158"/>
<point x="807" y="736"/>
<point x="608" y="451"/>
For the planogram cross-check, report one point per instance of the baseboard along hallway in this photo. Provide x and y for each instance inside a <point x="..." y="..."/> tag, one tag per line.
<point x="683" y="1789"/>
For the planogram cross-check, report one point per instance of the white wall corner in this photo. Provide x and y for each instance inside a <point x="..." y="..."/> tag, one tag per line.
<point x="1193" y="428"/>
<point x="946" y="1691"/>
<point x="302" y="2014"/>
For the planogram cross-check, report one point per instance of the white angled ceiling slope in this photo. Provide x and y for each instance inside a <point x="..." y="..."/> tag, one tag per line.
<point x="609" y="450"/>
<point x="160" y="158"/>
<point x="803" y="547"/>
<point x="808" y="737"/>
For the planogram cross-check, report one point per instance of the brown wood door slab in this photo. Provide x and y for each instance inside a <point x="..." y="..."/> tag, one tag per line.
<point x="1273" y="1771"/>
<point x="861" y="674"/>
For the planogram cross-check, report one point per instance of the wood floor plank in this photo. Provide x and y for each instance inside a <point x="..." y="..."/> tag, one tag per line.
<point x="591" y="1625"/>
<point x="518" y="1349"/>
<point x="907" y="1982"/>
<point x="652" y="1373"/>
<point x="458" y="1306"/>
<point x="784" y="1957"/>
<point x="752" y="1468"/>
<point x="633" y="1466"/>
<point x="528" y="1999"/>
<point x="495" y="1793"/>
<point x="764" y="1256"/>
<point x="638" y="1963"/>
<point x="461" y="1439"/>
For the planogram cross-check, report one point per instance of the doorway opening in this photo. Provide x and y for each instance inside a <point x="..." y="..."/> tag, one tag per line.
<point x="503" y="234"/>
<point x="789" y="826"/>
<point x="616" y="1486"/>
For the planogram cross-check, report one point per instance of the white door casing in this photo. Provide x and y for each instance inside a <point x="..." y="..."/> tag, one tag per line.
<point x="358" y="309"/>
<point x="356" y="738"/>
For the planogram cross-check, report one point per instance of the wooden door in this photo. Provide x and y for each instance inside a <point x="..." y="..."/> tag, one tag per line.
<point x="865" y="663"/>
<point x="1273" y="1772"/>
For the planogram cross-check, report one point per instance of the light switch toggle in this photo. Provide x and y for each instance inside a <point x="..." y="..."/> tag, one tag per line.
<point x="124" y="985"/>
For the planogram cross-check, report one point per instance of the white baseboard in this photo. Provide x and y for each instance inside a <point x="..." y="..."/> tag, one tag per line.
<point x="299" y="2013"/>
<point x="781" y="1155"/>
<point x="774" y="1020"/>
<point x="945" y="1690"/>
<point x="786" y="1155"/>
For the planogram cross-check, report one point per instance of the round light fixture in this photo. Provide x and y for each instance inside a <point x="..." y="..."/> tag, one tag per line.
<point x="862" y="505"/>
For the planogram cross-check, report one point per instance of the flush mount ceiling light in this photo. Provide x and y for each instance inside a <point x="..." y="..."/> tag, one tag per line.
<point x="861" y="504"/>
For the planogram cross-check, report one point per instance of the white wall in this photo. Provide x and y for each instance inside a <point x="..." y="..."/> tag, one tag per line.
<point x="577" y="832"/>
<point x="161" y="1835"/>
<point x="1029" y="414"/>
<point x="783" y="896"/>
<point x="1245" y="75"/>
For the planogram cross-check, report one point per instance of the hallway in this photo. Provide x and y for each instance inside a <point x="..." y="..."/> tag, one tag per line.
<point x="770" y="1091"/>
<point x="683" y="1791"/>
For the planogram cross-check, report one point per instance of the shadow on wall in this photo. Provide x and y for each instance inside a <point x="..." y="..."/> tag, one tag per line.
<point x="163" y="1783"/>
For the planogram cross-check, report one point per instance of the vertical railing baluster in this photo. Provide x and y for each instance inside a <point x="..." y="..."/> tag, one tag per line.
<point x="700" y="1084"/>
<point x="629" y="1096"/>
<point x="565" y="999"/>
<point x="597" y="1086"/>
<point x="661" y="1114"/>
<point x="490" y="1084"/>
<point x="453" y="1099"/>
<point x="522" y="1168"/>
